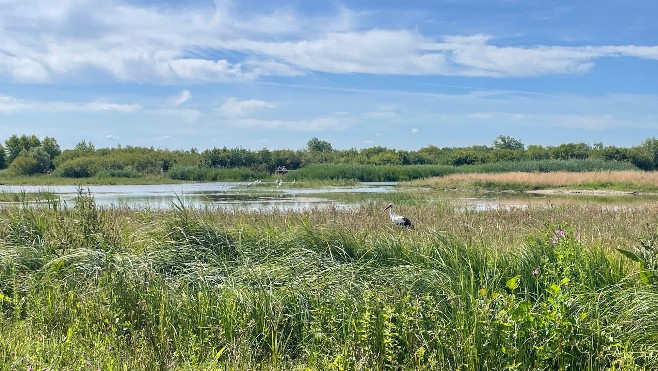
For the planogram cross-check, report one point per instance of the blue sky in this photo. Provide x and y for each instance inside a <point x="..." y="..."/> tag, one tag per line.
<point x="273" y="74"/>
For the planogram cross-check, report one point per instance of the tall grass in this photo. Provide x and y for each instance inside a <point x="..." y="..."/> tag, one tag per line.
<point x="395" y="173"/>
<point x="544" y="166"/>
<point x="610" y="180"/>
<point x="369" y="173"/>
<point x="85" y="287"/>
<point x="196" y="173"/>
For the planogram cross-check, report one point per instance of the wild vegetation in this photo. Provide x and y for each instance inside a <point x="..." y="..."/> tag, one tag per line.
<point x="560" y="287"/>
<point x="42" y="160"/>
<point x="611" y="180"/>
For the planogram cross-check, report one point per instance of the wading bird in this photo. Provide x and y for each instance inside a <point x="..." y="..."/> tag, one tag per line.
<point x="398" y="219"/>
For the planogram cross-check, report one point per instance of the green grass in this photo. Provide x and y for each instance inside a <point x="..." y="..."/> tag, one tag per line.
<point x="103" y="178"/>
<point x="369" y="173"/>
<point x="85" y="287"/>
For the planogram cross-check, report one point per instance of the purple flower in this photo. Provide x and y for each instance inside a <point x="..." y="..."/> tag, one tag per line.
<point x="560" y="232"/>
<point x="554" y="240"/>
<point x="535" y="272"/>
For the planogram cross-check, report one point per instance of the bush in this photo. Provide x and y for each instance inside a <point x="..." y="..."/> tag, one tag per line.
<point x="82" y="167"/>
<point x="25" y="165"/>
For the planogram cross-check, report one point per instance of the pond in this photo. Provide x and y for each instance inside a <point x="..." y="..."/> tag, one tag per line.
<point x="252" y="196"/>
<point x="264" y="196"/>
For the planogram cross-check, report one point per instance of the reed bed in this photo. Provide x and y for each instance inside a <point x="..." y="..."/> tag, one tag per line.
<point x="86" y="287"/>
<point x="619" y="180"/>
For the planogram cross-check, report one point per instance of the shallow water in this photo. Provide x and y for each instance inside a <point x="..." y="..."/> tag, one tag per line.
<point x="244" y="196"/>
<point x="228" y="195"/>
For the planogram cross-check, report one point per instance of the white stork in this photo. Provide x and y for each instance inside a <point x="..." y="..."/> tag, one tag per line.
<point x="398" y="219"/>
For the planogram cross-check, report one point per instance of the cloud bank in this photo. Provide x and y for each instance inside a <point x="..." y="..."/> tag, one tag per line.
<point x="81" y="40"/>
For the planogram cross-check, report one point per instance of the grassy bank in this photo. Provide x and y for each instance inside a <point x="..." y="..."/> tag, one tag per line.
<point x="52" y="179"/>
<point x="88" y="288"/>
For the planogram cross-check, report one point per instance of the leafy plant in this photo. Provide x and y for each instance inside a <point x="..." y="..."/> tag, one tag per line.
<point x="646" y="255"/>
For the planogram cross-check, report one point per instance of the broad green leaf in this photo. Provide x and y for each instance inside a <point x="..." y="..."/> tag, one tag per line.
<point x="629" y="254"/>
<point x="513" y="283"/>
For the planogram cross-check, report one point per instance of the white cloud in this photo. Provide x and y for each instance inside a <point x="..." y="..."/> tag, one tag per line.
<point x="414" y="130"/>
<point x="12" y="104"/>
<point x="234" y="108"/>
<point x="584" y="121"/>
<point x="408" y="52"/>
<point x="102" y="106"/>
<point x="183" y="97"/>
<point x="113" y="137"/>
<point x="382" y="114"/>
<point x="217" y="42"/>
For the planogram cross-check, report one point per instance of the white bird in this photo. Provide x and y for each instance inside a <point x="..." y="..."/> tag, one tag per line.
<point x="398" y="219"/>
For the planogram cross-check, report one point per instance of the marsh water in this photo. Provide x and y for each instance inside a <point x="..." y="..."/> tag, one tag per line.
<point x="229" y="195"/>
<point x="264" y="196"/>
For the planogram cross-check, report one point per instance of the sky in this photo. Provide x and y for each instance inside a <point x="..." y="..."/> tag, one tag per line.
<point x="183" y="74"/>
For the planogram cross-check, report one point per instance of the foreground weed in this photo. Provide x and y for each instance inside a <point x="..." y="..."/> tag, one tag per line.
<point x="647" y="256"/>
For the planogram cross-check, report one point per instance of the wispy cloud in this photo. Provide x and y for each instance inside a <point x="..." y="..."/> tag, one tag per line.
<point x="183" y="97"/>
<point x="12" y="104"/>
<point x="234" y="108"/>
<point x="218" y="43"/>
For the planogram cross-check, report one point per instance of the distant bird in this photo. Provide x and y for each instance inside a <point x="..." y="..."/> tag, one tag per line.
<point x="398" y="219"/>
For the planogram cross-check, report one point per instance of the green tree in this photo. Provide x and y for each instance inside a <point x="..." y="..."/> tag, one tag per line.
<point x="537" y="152"/>
<point x="3" y="164"/>
<point x="570" y="151"/>
<point x="651" y="147"/>
<point x="507" y="142"/>
<point x="611" y="153"/>
<point x="49" y="144"/>
<point x="30" y="162"/>
<point x="24" y="165"/>
<point x="14" y="145"/>
<point x="464" y="157"/>
<point x="84" y="146"/>
<point x="317" y="145"/>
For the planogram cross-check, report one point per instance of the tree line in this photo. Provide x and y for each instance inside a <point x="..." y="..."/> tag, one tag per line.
<point x="30" y="155"/>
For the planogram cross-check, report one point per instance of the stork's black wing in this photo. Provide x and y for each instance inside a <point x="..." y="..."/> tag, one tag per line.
<point x="406" y="222"/>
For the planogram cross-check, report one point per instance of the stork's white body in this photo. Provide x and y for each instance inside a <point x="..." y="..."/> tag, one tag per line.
<point x="398" y="219"/>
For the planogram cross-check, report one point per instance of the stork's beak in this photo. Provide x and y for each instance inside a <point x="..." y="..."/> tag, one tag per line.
<point x="387" y="207"/>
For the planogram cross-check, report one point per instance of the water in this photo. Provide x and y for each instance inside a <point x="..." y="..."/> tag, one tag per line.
<point x="244" y="196"/>
<point x="227" y="195"/>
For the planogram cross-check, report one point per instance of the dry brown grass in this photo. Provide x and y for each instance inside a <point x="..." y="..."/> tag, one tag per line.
<point x="561" y="179"/>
